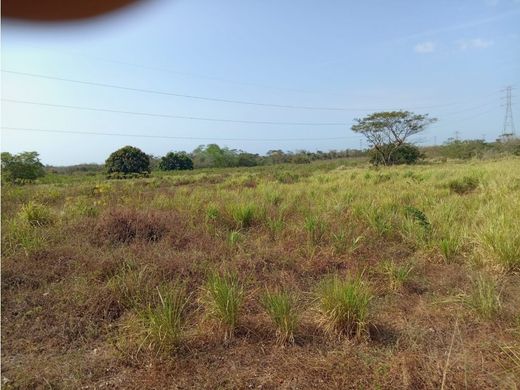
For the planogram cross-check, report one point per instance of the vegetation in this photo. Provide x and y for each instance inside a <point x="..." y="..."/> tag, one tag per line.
<point x="387" y="133"/>
<point x="128" y="160"/>
<point x="175" y="161"/>
<point x="22" y="167"/>
<point x="280" y="307"/>
<point x="343" y="305"/>
<point x="177" y="279"/>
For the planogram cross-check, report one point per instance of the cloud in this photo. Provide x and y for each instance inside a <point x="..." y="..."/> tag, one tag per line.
<point x="476" y="43"/>
<point x="424" y="47"/>
<point x="492" y="3"/>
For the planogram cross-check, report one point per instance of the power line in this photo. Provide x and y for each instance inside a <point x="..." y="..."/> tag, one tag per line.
<point x="118" y="134"/>
<point x="204" y="98"/>
<point x="173" y="116"/>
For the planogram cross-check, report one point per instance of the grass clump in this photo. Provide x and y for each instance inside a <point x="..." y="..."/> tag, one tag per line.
<point x="463" y="186"/>
<point x="501" y="242"/>
<point x="315" y="228"/>
<point x="397" y="275"/>
<point x="449" y="247"/>
<point x="36" y="214"/>
<point x="343" y="305"/>
<point x="223" y="298"/>
<point x="243" y="215"/>
<point x="280" y="306"/>
<point x="485" y="297"/>
<point x="163" y="323"/>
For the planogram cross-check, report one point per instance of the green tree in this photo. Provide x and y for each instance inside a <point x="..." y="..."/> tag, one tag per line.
<point x="128" y="160"/>
<point x="175" y="161"/>
<point x="387" y="131"/>
<point x="21" y="166"/>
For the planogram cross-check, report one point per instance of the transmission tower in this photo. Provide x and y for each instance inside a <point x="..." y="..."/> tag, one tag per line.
<point x="508" y="131"/>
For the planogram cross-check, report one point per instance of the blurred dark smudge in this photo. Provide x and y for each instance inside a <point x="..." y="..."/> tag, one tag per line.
<point x="61" y="10"/>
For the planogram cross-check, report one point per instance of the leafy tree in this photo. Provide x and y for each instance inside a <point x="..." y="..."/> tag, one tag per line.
<point x="21" y="166"/>
<point x="175" y="161"/>
<point x="128" y="160"/>
<point x="404" y="154"/>
<point x="387" y="131"/>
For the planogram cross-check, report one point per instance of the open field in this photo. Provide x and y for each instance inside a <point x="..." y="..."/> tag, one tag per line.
<point x="326" y="275"/>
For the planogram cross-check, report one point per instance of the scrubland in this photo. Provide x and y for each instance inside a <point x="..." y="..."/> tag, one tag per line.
<point x="324" y="275"/>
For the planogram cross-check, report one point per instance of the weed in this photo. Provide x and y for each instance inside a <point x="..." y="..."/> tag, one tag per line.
<point x="343" y="305"/>
<point x="418" y="216"/>
<point x="501" y="242"/>
<point x="223" y="298"/>
<point x="280" y="306"/>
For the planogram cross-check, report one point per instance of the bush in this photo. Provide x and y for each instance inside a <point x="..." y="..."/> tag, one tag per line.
<point x="343" y="305"/>
<point x="404" y="154"/>
<point x="175" y="161"/>
<point x="21" y="167"/>
<point x="128" y="160"/>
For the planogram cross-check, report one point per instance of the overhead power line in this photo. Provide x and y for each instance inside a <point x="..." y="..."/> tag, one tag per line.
<point x="206" y="98"/>
<point x="173" y="116"/>
<point x="120" y="134"/>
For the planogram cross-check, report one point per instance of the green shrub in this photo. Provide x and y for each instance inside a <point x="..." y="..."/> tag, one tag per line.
<point x="404" y="154"/>
<point x="343" y="305"/>
<point x="223" y="298"/>
<point x="280" y="307"/>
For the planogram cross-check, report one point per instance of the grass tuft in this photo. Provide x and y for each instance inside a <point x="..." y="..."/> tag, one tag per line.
<point x="343" y="305"/>
<point x="36" y="214"/>
<point x="485" y="297"/>
<point x="280" y="306"/>
<point x="223" y="298"/>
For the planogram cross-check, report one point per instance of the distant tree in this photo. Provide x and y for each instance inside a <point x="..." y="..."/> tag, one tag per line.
<point x="248" y="159"/>
<point x="213" y="155"/>
<point x="387" y="131"/>
<point x="21" y="166"/>
<point x="404" y="154"/>
<point x="465" y="149"/>
<point x="175" y="161"/>
<point x="128" y="160"/>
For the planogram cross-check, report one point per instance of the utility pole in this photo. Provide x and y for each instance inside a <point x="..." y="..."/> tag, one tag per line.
<point x="456" y="136"/>
<point x="508" y="129"/>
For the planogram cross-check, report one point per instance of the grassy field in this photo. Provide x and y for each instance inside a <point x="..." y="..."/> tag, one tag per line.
<point x="329" y="275"/>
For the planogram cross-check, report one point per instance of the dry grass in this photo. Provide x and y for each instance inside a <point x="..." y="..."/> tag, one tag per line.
<point x="82" y="266"/>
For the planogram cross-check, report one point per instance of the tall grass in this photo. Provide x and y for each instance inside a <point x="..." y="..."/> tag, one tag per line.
<point x="343" y="305"/>
<point x="223" y="298"/>
<point x="243" y="215"/>
<point x="36" y="214"/>
<point x="280" y="306"/>
<point x="485" y="297"/>
<point x="500" y="240"/>
<point x="163" y="323"/>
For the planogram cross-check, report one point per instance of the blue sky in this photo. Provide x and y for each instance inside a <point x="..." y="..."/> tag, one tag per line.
<point x="447" y="58"/>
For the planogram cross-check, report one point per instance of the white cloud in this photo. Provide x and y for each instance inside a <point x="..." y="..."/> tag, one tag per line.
<point x="492" y="3"/>
<point x="476" y="43"/>
<point x="424" y="47"/>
